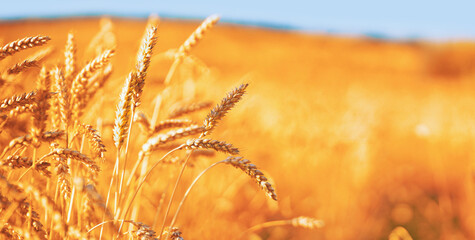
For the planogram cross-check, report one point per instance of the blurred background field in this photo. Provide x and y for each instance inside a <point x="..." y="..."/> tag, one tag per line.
<point x="365" y="134"/>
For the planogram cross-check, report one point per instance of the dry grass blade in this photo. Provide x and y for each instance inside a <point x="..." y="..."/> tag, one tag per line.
<point x="193" y="107"/>
<point x="219" y="146"/>
<point x="18" y="45"/>
<point x="221" y="109"/>
<point x="251" y="170"/>
<point x="399" y="233"/>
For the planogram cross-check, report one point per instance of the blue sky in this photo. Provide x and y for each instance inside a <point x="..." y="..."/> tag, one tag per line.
<point x="436" y="19"/>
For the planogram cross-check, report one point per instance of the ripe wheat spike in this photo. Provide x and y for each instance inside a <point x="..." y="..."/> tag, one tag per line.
<point x="21" y="44"/>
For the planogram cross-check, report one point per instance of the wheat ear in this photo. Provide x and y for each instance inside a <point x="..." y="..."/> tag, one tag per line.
<point x="169" y="123"/>
<point x="95" y="140"/>
<point x="41" y="105"/>
<point x="399" y="233"/>
<point x="21" y="66"/>
<point x="143" y="62"/>
<point x="220" y="110"/>
<point x="70" y="58"/>
<point x="21" y="44"/>
<point x="193" y="107"/>
<point x="15" y="161"/>
<point x="218" y="146"/>
<point x="79" y="85"/>
<point x="189" y="43"/>
<point x="305" y="222"/>
<point x="17" y="100"/>
<point x="73" y="154"/>
<point x="123" y="112"/>
<point x="251" y="170"/>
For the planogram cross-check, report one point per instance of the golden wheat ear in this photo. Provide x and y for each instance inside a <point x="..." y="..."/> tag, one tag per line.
<point x="251" y="170"/>
<point x="222" y="108"/>
<point x="399" y="233"/>
<point x="21" y="44"/>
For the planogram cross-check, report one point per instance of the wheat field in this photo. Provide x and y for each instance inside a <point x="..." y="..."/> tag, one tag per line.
<point x="115" y="128"/>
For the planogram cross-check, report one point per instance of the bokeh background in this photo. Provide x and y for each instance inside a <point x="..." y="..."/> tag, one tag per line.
<point x="362" y="113"/>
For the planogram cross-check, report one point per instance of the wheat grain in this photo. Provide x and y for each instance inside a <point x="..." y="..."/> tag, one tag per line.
<point x="220" y="110"/>
<point x="21" y="44"/>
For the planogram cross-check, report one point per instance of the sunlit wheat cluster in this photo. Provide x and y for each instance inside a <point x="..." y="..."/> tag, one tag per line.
<point x="62" y="177"/>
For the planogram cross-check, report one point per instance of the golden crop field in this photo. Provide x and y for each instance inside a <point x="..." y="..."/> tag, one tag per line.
<point x="115" y="128"/>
